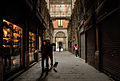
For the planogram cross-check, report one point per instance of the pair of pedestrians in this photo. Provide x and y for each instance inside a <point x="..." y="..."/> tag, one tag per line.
<point x="47" y="53"/>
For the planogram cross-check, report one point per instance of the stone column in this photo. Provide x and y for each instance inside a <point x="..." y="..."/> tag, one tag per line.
<point x="97" y="54"/>
<point x="67" y="41"/>
<point x="26" y="42"/>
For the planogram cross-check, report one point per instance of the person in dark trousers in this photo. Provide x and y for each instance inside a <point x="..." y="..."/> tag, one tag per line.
<point x="76" y="50"/>
<point x="44" y="49"/>
<point x="50" y="52"/>
<point x="60" y="48"/>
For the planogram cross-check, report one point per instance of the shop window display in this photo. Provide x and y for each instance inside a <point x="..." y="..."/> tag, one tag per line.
<point x="32" y="46"/>
<point x="39" y="54"/>
<point x="12" y="45"/>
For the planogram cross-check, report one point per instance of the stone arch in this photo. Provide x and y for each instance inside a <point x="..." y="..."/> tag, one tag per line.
<point x="57" y="37"/>
<point x="60" y="34"/>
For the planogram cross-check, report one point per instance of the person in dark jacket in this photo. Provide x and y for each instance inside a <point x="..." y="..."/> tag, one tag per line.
<point x="60" y="48"/>
<point x="44" y="49"/>
<point x="50" y="52"/>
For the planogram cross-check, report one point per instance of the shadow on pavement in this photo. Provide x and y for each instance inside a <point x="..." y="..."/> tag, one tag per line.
<point x="43" y="77"/>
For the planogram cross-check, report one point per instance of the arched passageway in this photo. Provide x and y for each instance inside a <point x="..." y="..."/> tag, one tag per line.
<point x="60" y="40"/>
<point x="92" y="24"/>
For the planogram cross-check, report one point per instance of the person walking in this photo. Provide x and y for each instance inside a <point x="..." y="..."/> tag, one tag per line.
<point x="44" y="49"/>
<point x="50" y="52"/>
<point x="60" y="48"/>
<point x="75" y="48"/>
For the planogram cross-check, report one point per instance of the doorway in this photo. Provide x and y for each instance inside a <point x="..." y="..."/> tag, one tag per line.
<point x="61" y="44"/>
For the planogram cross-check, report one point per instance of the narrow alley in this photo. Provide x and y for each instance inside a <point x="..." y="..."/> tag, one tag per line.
<point x="80" y="37"/>
<point x="70" y="68"/>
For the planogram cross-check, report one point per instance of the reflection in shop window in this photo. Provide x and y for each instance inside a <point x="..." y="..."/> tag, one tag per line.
<point x="12" y="45"/>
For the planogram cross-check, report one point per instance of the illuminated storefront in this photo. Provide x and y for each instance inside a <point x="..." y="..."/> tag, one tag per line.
<point x="20" y="30"/>
<point x="12" y="45"/>
<point x="19" y="46"/>
<point x="32" y="46"/>
<point x="40" y="44"/>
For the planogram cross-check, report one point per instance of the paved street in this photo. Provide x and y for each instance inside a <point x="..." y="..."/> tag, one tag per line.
<point x="70" y="68"/>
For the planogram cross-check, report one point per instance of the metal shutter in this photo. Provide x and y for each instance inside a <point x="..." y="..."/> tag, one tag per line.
<point x="91" y="46"/>
<point x="110" y="46"/>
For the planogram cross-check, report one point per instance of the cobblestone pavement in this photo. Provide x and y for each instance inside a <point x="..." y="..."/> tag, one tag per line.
<point x="70" y="68"/>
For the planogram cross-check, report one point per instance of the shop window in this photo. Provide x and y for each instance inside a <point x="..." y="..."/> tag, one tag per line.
<point x="12" y="45"/>
<point x="39" y="54"/>
<point x="32" y="46"/>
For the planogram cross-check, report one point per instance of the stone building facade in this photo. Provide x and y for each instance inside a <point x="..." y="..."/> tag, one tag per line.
<point x="28" y="20"/>
<point x="94" y="27"/>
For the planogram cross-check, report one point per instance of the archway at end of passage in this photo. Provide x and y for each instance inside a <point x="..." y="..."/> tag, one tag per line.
<point x="60" y="40"/>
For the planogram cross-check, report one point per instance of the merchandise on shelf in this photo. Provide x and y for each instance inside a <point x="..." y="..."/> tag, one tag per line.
<point x="12" y="36"/>
<point x="32" y="46"/>
<point x="12" y="45"/>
